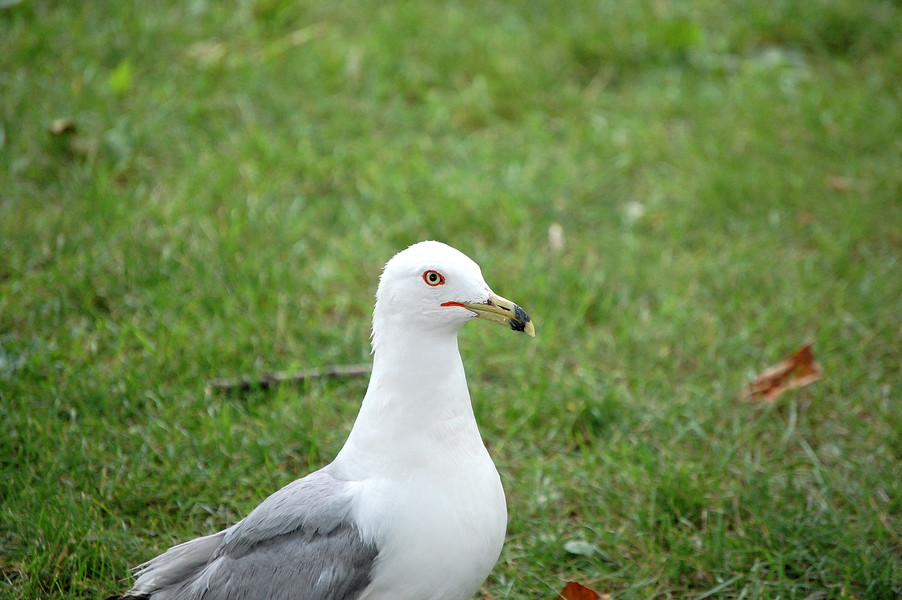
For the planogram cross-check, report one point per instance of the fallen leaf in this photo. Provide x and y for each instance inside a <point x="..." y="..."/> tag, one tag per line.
<point x="795" y="372"/>
<point x="577" y="591"/>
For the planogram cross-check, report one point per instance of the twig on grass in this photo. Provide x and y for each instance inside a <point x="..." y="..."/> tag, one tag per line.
<point x="265" y="381"/>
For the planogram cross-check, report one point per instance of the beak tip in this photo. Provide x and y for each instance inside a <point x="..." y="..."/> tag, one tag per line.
<point x="522" y="322"/>
<point x="502" y="311"/>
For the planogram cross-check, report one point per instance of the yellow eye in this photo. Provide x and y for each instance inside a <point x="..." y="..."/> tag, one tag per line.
<point x="433" y="278"/>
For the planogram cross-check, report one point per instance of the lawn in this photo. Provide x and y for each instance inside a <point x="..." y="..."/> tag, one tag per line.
<point x="680" y="193"/>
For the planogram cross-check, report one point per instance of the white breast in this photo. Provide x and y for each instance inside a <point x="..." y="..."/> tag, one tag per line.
<point x="439" y="531"/>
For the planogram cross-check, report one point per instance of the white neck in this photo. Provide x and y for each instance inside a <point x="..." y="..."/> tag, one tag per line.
<point x="428" y="415"/>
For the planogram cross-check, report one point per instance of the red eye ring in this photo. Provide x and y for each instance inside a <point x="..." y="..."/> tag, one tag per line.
<point x="433" y="278"/>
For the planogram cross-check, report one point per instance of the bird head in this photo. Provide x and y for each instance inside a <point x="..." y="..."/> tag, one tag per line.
<point x="432" y="286"/>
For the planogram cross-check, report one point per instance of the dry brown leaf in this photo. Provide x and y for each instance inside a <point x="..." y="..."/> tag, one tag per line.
<point x="577" y="591"/>
<point x="795" y="372"/>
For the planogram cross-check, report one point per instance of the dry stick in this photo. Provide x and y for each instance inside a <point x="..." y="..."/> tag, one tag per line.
<point x="265" y="381"/>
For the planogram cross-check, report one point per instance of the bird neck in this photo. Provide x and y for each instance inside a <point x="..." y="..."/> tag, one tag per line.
<point x="411" y="368"/>
<point x="417" y="404"/>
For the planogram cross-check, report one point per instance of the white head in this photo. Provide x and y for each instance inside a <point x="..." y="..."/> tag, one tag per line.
<point x="432" y="287"/>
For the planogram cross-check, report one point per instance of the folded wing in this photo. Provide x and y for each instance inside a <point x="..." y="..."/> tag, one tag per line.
<point x="299" y="543"/>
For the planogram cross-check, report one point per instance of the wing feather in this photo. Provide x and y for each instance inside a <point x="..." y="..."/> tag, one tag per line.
<point x="299" y="543"/>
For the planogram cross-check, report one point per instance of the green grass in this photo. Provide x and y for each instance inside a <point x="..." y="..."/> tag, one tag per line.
<point x="728" y="178"/>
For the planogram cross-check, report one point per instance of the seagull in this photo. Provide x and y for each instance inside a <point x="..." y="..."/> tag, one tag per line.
<point x="412" y="507"/>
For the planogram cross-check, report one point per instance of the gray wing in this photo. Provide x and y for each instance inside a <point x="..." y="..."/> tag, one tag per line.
<point x="299" y="543"/>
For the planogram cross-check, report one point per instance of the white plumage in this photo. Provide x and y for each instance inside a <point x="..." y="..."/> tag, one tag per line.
<point x="412" y="508"/>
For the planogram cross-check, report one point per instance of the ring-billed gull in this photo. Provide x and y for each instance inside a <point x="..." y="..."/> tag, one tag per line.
<point x="412" y="507"/>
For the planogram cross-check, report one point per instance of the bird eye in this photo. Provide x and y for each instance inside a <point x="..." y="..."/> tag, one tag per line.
<point x="433" y="278"/>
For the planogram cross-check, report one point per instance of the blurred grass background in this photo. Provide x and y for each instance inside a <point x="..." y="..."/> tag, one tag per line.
<point x="194" y="189"/>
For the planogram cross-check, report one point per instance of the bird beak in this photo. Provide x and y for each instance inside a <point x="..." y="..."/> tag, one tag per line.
<point x="501" y="310"/>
